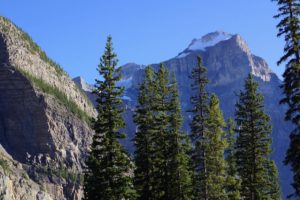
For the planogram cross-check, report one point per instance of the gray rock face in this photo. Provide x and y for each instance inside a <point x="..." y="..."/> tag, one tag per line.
<point x="40" y="124"/>
<point x="22" y="112"/>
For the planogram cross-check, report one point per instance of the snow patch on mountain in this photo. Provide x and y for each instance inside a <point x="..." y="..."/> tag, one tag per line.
<point x="127" y="83"/>
<point x="209" y="40"/>
<point x="183" y="54"/>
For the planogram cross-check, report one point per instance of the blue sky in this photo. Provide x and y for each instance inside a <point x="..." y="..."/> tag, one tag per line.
<point x="73" y="32"/>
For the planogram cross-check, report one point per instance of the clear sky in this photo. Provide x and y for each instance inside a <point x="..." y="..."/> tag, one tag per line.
<point x="73" y="32"/>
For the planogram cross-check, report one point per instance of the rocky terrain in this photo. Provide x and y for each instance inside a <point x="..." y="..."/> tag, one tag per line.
<point x="44" y="119"/>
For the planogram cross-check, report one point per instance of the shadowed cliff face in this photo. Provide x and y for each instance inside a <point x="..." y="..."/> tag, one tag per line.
<point x="23" y="124"/>
<point x="3" y="52"/>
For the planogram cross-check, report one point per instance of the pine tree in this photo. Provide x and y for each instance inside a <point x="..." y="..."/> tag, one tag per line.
<point x="215" y="144"/>
<point x="180" y="182"/>
<point x="160" y="137"/>
<point x="198" y="133"/>
<point x="233" y="182"/>
<point x="161" y="148"/>
<point x="230" y="150"/>
<point x="108" y="173"/>
<point x="144" y="119"/>
<point x="253" y="146"/>
<point x="289" y="11"/>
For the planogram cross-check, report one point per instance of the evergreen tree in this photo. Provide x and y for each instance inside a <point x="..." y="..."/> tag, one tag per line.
<point x="179" y="145"/>
<point x="160" y="133"/>
<point x="233" y="182"/>
<point x="162" y="170"/>
<point x="108" y="173"/>
<point x="253" y="146"/>
<point x="198" y="134"/>
<point x="289" y="11"/>
<point x="230" y="150"/>
<point x="215" y="144"/>
<point x="144" y="119"/>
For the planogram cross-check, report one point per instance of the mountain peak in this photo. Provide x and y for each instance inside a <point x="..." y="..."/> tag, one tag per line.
<point x="81" y="83"/>
<point x="209" y="40"/>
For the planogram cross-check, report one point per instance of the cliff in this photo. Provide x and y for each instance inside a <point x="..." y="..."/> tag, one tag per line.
<point x="44" y="121"/>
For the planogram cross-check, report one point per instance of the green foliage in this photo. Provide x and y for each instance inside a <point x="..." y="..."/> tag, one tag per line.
<point x="5" y="166"/>
<point x="233" y="182"/>
<point x="60" y="172"/>
<point x="253" y="146"/>
<point x="214" y="147"/>
<point x="180" y="174"/>
<point x="162" y="164"/>
<point x="64" y="173"/>
<point x="198" y="134"/>
<point x="144" y="119"/>
<point x="60" y="96"/>
<point x="108" y="172"/>
<point x="292" y="158"/>
<point x="160" y="133"/>
<point x="288" y="13"/>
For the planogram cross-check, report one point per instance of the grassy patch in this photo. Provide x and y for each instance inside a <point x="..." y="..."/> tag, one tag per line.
<point x="4" y="165"/>
<point x="62" y="173"/>
<point x="60" y="96"/>
<point x="35" y="49"/>
<point x="71" y="176"/>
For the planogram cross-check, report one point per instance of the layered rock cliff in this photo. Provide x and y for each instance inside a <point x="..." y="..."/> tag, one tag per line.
<point x="44" y="122"/>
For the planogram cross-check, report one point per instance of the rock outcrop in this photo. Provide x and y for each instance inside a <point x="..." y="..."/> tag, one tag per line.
<point x="44" y="122"/>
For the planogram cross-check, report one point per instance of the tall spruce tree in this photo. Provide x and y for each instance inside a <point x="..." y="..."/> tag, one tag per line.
<point x="162" y="164"/>
<point x="160" y="136"/>
<point x="215" y="144"/>
<point x="144" y="119"/>
<point x="180" y="179"/>
<point x="253" y="146"/>
<point x="233" y="183"/>
<point x="288" y="12"/>
<point x="200" y="111"/>
<point x="108" y="166"/>
<point x="230" y="150"/>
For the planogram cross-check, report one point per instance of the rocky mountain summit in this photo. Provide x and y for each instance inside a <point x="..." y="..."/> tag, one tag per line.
<point x="44" y="128"/>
